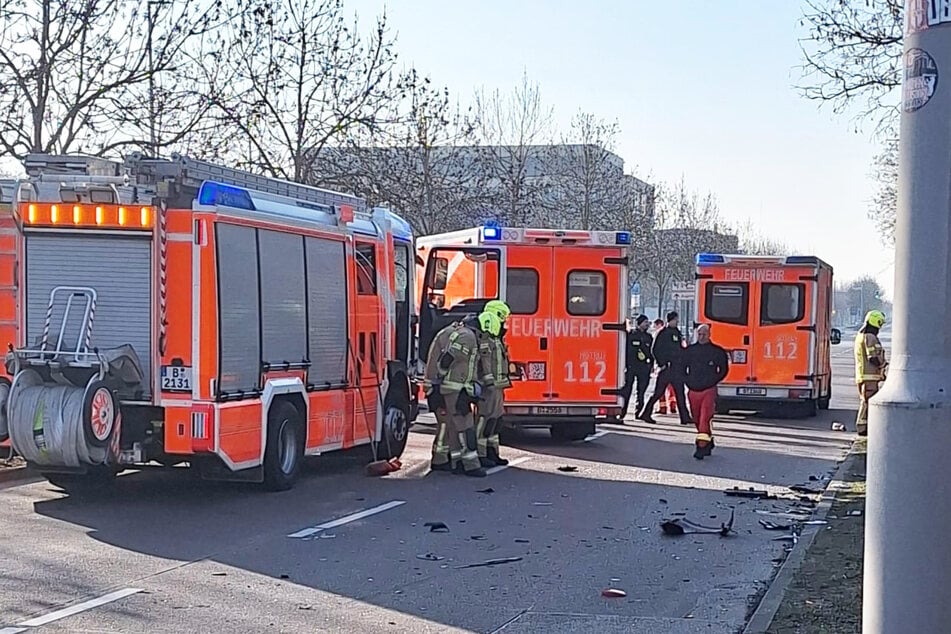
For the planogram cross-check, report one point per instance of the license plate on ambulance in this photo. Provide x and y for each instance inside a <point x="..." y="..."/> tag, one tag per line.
<point x="176" y="378"/>
<point x="751" y="391"/>
<point x="551" y="411"/>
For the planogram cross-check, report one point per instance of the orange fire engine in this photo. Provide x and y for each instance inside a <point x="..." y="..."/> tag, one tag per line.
<point x="774" y="315"/>
<point x="568" y="294"/>
<point x="183" y="312"/>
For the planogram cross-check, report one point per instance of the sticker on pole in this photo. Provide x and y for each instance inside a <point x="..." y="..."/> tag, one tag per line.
<point x="920" y="81"/>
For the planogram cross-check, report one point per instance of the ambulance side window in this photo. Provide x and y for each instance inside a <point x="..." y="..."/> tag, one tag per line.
<point x="586" y="293"/>
<point x="727" y="303"/>
<point x="782" y="304"/>
<point x="522" y="290"/>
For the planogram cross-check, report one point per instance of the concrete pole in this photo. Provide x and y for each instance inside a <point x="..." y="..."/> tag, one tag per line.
<point x="907" y="548"/>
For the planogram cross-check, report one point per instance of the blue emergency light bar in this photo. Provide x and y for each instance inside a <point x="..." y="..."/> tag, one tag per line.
<point x="802" y="259"/>
<point x="212" y="193"/>
<point x="491" y="233"/>
<point x="709" y="258"/>
<point x="623" y="237"/>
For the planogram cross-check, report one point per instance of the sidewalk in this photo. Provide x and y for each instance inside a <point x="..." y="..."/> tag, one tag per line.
<point x="825" y="594"/>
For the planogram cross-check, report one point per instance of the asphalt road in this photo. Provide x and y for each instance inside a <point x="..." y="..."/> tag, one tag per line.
<point x="164" y="552"/>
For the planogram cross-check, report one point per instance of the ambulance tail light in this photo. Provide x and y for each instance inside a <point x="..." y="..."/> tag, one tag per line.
<point x="800" y="394"/>
<point x="710" y="258"/>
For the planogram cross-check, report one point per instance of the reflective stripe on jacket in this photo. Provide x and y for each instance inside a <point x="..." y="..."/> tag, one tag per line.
<point x="495" y="358"/>
<point x="868" y="347"/>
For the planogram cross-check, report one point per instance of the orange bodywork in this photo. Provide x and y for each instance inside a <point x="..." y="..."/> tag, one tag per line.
<point x="773" y="314"/>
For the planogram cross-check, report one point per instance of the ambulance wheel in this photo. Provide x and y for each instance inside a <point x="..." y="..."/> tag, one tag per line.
<point x="284" y="452"/>
<point x="826" y="400"/>
<point x="99" y="413"/>
<point x="811" y="408"/>
<point x="396" y="413"/>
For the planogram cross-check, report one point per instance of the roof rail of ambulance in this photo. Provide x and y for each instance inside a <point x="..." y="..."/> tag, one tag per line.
<point x="193" y="173"/>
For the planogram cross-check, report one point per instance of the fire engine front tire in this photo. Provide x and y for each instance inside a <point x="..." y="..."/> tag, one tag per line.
<point x="396" y="413"/>
<point x="285" y="447"/>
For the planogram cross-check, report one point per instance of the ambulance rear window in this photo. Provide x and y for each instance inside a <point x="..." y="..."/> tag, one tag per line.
<point x="727" y="303"/>
<point x="586" y="291"/>
<point x="521" y="292"/>
<point x="782" y="304"/>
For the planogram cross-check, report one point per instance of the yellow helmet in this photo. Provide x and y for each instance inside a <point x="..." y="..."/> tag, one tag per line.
<point x="500" y="308"/>
<point x="490" y="323"/>
<point x="875" y="318"/>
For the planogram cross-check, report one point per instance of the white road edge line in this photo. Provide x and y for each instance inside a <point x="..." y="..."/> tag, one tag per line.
<point x="512" y="463"/>
<point x="46" y="619"/>
<point x="596" y="435"/>
<point x="353" y="517"/>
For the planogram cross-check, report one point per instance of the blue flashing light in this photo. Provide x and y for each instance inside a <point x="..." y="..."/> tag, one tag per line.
<point x="709" y="258"/>
<point x="802" y="259"/>
<point x="491" y="233"/>
<point x="623" y="237"/>
<point x="212" y="193"/>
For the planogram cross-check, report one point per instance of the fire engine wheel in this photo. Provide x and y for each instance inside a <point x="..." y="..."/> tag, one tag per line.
<point x="99" y="413"/>
<point x="285" y="447"/>
<point x="395" y="433"/>
<point x="4" y="397"/>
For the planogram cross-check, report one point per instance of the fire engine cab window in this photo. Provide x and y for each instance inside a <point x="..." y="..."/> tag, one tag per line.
<point x="727" y="303"/>
<point x="522" y="291"/>
<point x="586" y="293"/>
<point x="782" y="304"/>
<point x="366" y="269"/>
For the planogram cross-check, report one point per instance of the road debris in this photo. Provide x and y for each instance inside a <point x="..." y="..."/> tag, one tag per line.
<point x="523" y="541"/>
<point x="837" y="426"/>
<point x="491" y="562"/>
<point x="477" y="537"/>
<point x="815" y="523"/>
<point x="855" y="513"/>
<point x="541" y="503"/>
<point x="430" y="557"/>
<point x="683" y="526"/>
<point x="801" y="488"/>
<point x="436" y="527"/>
<point x="568" y="468"/>
<point x="486" y="491"/>
<point x="756" y="494"/>
<point x="613" y="593"/>
<point x="771" y="526"/>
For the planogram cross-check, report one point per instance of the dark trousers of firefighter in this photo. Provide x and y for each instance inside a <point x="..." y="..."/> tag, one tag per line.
<point x="489" y="421"/>
<point x="455" y="432"/>
<point x="703" y="405"/>
<point x="867" y="389"/>
<point x="669" y="377"/>
<point x="639" y="375"/>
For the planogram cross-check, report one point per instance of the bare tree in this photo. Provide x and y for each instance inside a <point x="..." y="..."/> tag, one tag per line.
<point x="752" y="242"/>
<point x="297" y="77"/>
<point x="884" y="204"/>
<point x="516" y="139"/>
<point x="586" y="179"/>
<point x="65" y="68"/>
<point x="853" y="55"/>
<point x="420" y="166"/>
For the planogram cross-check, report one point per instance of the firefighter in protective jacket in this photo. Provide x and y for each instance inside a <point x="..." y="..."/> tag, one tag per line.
<point x="452" y="388"/>
<point x="870" y="365"/>
<point x="495" y="360"/>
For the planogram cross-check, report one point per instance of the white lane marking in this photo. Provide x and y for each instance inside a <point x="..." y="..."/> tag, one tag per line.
<point x="46" y="619"/>
<point x="512" y="463"/>
<point x="353" y="517"/>
<point x="596" y="435"/>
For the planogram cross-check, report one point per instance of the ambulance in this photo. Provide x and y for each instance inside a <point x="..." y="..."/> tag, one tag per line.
<point x="186" y="313"/>
<point x="773" y="314"/>
<point x="568" y="294"/>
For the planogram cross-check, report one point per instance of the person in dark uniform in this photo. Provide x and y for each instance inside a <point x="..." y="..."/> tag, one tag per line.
<point x="639" y="361"/>
<point x="668" y="354"/>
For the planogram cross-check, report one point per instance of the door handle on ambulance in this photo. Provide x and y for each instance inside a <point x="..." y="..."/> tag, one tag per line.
<point x="746" y="340"/>
<point x="543" y="343"/>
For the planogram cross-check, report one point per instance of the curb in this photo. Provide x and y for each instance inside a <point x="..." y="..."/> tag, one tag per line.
<point x="763" y="616"/>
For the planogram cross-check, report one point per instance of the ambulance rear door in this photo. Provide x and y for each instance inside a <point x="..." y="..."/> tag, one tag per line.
<point x="785" y="308"/>
<point x="588" y="324"/>
<point x="528" y="286"/>
<point x="726" y="306"/>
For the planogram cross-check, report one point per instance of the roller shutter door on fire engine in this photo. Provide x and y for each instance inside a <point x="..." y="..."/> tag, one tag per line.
<point x="117" y="267"/>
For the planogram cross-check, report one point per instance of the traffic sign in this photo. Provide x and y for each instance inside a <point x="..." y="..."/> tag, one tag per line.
<point x="682" y="295"/>
<point x="686" y="287"/>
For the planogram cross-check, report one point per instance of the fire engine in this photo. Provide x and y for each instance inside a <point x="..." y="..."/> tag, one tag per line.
<point x="774" y="316"/>
<point x="178" y="311"/>
<point x="567" y="290"/>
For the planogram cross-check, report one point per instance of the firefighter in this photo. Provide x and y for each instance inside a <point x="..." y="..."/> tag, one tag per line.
<point x="668" y="353"/>
<point x="639" y="362"/>
<point x="452" y="388"/>
<point x="870" y="365"/>
<point x="705" y="365"/>
<point x="491" y="408"/>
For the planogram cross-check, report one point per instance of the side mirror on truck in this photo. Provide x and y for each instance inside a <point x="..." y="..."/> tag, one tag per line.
<point x="835" y="337"/>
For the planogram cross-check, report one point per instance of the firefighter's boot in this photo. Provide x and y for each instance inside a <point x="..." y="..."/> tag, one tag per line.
<point x="704" y="446"/>
<point x="494" y="457"/>
<point x="471" y="465"/>
<point x="493" y="442"/>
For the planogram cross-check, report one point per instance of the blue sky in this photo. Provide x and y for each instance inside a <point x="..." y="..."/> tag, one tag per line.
<point x="700" y="88"/>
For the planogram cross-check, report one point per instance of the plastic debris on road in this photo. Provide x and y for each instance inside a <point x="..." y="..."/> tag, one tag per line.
<point x="491" y="562"/>
<point x="436" y="527"/>
<point x="756" y="494"/>
<point x="613" y="593"/>
<point x="682" y="526"/>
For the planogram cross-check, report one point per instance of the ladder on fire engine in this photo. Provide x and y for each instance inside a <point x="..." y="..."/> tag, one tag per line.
<point x="191" y="173"/>
<point x="73" y="179"/>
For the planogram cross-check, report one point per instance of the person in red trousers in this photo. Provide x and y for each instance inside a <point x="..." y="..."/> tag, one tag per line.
<point x="705" y="365"/>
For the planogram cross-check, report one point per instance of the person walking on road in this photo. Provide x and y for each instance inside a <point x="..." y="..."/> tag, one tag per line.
<point x="668" y="402"/>
<point x="452" y="388"/>
<point x="705" y="366"/>
<point x="870" y="365"/>
<point x="639" y="361"/>
<point x="495" y="358"/>
<point x="668" y="354"/>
